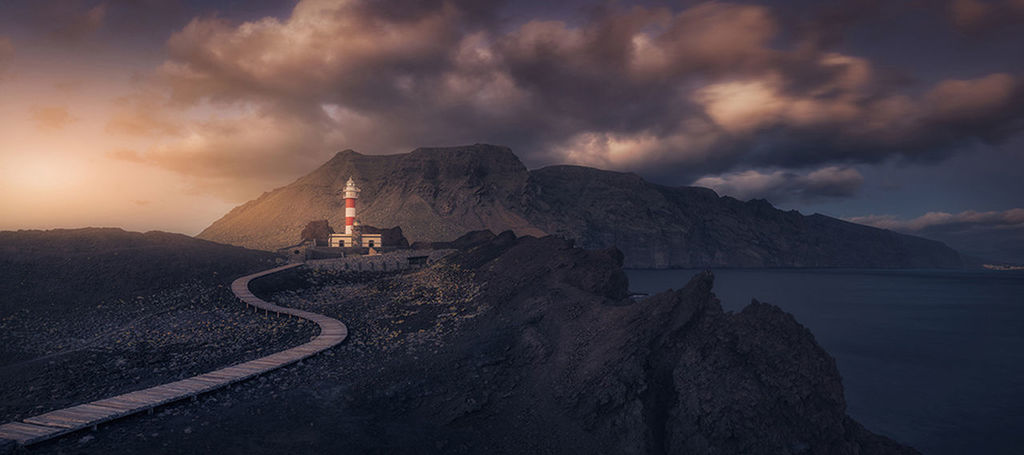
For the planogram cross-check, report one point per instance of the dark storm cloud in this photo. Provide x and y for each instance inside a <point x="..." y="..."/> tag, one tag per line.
<point x="828" y="22"/>
<point x="683" y="93"/>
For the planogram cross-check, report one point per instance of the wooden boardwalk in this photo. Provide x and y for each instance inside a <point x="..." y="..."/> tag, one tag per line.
<point x="62" y="421"/>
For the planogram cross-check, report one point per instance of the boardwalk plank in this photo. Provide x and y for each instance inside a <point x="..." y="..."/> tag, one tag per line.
<point x="26" y="433"/>
<point x="169" y="388"/>
<point x="119" y="405"/>
<point x="219" y="377"/>
<point x="52" y="421"/>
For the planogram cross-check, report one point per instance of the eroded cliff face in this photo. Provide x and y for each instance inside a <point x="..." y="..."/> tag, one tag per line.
<point x="440" y="194"/>
<point x="559" y="360"/>
<point x="657" y="226"/>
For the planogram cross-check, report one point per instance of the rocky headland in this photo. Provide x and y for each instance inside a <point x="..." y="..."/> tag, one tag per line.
<point x="520" y="345"/>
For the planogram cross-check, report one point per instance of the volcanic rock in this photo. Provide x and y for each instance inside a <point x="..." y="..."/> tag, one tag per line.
<point x="317" y="231"/>
<point x="561" y="361"/>
<point x="545" y="353"/>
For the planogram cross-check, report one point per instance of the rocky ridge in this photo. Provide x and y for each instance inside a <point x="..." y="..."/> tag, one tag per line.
<point x="436" y="195"/>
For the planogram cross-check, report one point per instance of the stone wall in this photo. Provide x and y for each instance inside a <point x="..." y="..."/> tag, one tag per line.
<point x="392" y="261"/>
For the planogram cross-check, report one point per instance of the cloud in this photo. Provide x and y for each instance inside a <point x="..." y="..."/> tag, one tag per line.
<point x="935" y="221"/>
<point x="327" y="49"/>
<point x="6" y="55"/>
<point x="145" y="113"/>
<point x="969" y="13"/>
<point x="992" y="236"/>
<point x="979" y="100"/>
<point x="68" y="86"/>
<point x="979" y="16"/>
<point x="243" y="145"/>
<point x="52" y="117"/>
<point x="125" y="155"/>
<point x="101" y="25"/>
<point x="780" y="186"/>
<point x="241" y="155"/>
<point x="678" y="95"/>
<point x="67" y="22"/>
<point x="82" y="25"/>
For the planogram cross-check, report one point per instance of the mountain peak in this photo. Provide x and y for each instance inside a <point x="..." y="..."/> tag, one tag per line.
<point x="345" y="153"/>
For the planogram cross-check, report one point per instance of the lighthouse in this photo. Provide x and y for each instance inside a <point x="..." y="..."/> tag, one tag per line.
<point x="354" y="236"/>
<point x="351" y="194"/>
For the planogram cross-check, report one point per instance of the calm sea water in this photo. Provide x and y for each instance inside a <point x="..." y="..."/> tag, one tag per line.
<point x="934" y="359"/>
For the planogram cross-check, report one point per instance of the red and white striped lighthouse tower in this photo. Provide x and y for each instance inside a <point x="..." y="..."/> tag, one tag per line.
<point x="351" y="194"/>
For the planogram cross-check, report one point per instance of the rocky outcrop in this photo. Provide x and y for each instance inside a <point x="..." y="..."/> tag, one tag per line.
<point x="527" y="345"/>
<point x="316" y="231"/>
<point x="389" y="237"/>
<point x="437" y="195"/>
<point x="560" y="360"/>
<point x="466" y="241"/>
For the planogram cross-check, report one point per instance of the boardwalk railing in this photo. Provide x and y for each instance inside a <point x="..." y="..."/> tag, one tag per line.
<point x="56" y="423"/>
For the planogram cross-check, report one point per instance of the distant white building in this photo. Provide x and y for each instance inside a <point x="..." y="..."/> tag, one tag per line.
<point x="352" y="237"/>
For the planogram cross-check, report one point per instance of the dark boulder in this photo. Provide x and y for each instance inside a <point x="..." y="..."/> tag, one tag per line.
<point x="389" y="237"/>
<point x="317" y="231"/>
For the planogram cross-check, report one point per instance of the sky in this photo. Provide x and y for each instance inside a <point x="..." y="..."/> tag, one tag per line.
<point x="165" y="114"/>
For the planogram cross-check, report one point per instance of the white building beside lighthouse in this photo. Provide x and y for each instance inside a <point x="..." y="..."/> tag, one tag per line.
<point x="352" y="237"/>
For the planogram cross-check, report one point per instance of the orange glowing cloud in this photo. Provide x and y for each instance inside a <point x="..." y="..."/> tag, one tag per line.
<point x="52" y="117"/>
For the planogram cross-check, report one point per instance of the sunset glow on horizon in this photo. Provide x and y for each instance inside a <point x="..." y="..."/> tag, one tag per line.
<point x="165" y="114"/>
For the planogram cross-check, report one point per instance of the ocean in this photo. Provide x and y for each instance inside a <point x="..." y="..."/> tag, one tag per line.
<point x="931" y="358"/>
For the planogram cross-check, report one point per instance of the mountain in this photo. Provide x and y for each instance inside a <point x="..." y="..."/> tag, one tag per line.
<point x="438" y="194"/>
<point x="432" y="194"/>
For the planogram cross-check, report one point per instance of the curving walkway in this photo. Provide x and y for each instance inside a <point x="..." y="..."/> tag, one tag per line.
<point x="62" y="421"/>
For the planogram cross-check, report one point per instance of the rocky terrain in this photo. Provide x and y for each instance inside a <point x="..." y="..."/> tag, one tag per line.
<point x="90" y="313"/>
<point x="60" y="361"/>
<point x="519" y="345"/>
<point x="436" y="195"/>
<point x="66" y="269"/>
